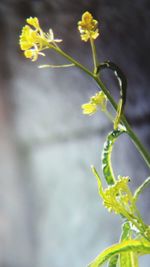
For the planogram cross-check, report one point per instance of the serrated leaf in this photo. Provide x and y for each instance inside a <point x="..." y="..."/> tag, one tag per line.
<point x="141" y="247"/>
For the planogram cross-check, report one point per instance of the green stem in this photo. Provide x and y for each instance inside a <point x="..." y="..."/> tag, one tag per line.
<point x="126" y="246"/>
<point x="69" y="58"/>
<point x="94" y="55"/>
<point x="141" y="188"/>
<point x="140" y="226"/>
<point x="144" y="153"/>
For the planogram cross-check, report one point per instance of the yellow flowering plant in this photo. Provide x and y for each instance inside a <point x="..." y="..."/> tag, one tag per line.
<point x="117" y="197"/>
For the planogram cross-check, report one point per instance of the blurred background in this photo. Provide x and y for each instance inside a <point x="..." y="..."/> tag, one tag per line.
<point x="50" y="211"/>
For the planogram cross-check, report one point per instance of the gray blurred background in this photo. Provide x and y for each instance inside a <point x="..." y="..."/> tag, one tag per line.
<point x="50" y="211"/>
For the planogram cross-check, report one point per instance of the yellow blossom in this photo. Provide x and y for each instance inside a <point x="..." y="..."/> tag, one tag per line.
<point x="29" y="54"/>
<point x="118" y="197"/>
<point x="33" y="40"/>
<point x="33" y="22"/>
<point x="97" y="101"/>
<point x="33" y="54"/>
<point x="88" y="27"/>
<point x="100" y="100"/>
<point x="26" y="38"/>
<point x="89" y="108"/>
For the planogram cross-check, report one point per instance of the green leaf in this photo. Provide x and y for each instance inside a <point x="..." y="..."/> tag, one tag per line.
<point x="100" y="188"/>
<point x="128" y="259"/>
<point x="125" y="231"/>
<point x="138" y="246"/>
<point x="113" y="261"/>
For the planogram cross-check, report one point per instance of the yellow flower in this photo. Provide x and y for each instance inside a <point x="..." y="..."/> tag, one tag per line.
<point x="33" y="22"/>
<point x="118" y="197"/>
<point x="30" y="54"/>
<point x="33" y="54"/>
<point x="26" y="38"/>
<point x="89" y="108"/>
<point x="33" y="40"/>
<point x="88" y="27"/>
<point x="99" y="100"/>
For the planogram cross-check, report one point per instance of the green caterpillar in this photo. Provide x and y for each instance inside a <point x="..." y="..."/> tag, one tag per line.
<point x="111" y="138"/>
<point x="122" y="81"/>
<point x="106" y="155"/>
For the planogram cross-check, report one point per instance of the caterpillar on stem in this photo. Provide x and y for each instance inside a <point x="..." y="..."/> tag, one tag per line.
<point x="106" y="155"/>
<point x="122" y="81"/>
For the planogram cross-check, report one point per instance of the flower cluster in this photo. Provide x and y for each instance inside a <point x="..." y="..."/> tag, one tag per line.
<point x="88" y="27"/>
<point x="118" y="197"/>
<point x="99" y="100"/>
<point x="33" y="40"/>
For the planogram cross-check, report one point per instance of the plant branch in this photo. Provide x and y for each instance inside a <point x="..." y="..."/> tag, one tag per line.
<point x="94" y="55"/>
<point x="144" y="153"/>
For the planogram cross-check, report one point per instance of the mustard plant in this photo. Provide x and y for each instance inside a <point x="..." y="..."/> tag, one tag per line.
<point x="117" y="197"/>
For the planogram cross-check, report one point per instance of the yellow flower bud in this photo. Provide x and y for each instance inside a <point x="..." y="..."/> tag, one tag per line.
<point x="28" y="53"/>
<point x="88" y="27"/>
<point x="32" y="54"/>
